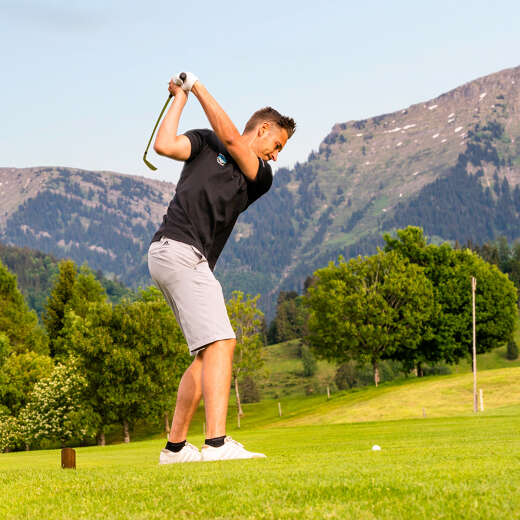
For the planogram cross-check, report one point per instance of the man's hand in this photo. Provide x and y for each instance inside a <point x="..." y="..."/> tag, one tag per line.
<point x="167" y="142"/>
<point x="187" y="80"/>
<point x="175" y="89"/>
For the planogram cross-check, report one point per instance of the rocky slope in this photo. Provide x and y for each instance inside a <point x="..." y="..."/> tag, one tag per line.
<point x="103" y="218"/>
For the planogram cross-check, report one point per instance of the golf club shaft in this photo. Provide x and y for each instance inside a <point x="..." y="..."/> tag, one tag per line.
<point x="151" y="166"/>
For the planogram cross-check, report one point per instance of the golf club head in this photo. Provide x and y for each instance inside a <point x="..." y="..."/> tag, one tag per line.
<point x="148" y="163"/>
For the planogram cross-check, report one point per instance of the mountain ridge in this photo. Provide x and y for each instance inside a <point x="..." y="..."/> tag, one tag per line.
<point x="367" y="177"/>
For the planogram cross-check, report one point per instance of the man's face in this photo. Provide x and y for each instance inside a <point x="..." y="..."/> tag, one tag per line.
<point x="270" y="141"/>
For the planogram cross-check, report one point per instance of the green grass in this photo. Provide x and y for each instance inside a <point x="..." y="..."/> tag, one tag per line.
<point x="489" y="361"/>
<point x="320" y="463"/>
<point x="452" y="464"/>
<point x="430" y="468"/>
<point x="438" y="396"/>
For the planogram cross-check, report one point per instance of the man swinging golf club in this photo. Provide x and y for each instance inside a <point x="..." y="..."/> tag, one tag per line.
<point x="224" y="173"/>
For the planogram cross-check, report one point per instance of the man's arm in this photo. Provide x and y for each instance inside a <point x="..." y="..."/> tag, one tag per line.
<point x="167" y="142"/>
<point x="227" y="132"/>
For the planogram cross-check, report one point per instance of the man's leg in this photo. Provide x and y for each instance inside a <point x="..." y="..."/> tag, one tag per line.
<point x="217" y="362"/>
<point x="188" y="398"/>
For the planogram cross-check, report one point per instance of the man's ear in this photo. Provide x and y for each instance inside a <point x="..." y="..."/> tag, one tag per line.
<point x="263" y="128"/>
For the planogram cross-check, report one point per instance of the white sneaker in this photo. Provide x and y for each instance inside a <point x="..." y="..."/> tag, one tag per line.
<point x="231" y="449"/>
<point x="189" y="453"/>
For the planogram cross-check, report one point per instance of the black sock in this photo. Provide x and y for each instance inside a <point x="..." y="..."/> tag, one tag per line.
<point x="175" y="446"/>
<point x="216" y="442"/>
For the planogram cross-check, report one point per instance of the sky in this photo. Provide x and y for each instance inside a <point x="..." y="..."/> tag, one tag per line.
<point x="82" y="83"/>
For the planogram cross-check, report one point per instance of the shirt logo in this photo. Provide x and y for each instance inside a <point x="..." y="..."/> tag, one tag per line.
<point x="221" y="159"/>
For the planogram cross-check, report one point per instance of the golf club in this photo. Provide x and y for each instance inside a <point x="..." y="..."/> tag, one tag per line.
<point x="182" y="76"/>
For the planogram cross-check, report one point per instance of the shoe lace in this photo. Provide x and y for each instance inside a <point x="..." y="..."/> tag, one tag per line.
<point x="230" y="439"/>
<point x="191" y="446"/>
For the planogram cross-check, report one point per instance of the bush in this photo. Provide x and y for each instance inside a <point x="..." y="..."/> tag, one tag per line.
<point x="309" y="361"/>
<point x="56" y="409"/>
<point x="512" y="350"/>
<point x="352" y="374"/>
<point x="10" y="434"/>
<point x="436" y="370"/>
<point x="249" y="392"/>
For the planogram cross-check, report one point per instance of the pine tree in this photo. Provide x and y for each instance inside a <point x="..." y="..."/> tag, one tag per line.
<point x="72" y="291"/>
<point x="58" y="300"/>
<point x="17" y="322"/>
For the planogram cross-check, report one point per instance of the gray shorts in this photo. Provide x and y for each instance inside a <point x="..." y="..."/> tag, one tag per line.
<point x="183" y="275"/>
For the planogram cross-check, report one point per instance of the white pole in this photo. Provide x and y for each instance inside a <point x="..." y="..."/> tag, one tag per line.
<point x="475" y="400"/>
<point x="481" y="400"/>
<point x="279" y="409"/>
<point x="328" y="392"/>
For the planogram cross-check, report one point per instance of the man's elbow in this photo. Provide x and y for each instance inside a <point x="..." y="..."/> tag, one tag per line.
<point x="158" y="149"/>
<point x="231" y="139"/>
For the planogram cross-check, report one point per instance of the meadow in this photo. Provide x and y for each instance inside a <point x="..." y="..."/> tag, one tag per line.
<point x="451" y="467"/>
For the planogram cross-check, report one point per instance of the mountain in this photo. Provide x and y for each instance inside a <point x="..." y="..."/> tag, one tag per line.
<point x="451" y="165"/>
<point x="102" y="218"/>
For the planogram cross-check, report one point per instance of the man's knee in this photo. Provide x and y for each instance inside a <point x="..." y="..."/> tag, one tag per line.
<point x="222" y="345"/>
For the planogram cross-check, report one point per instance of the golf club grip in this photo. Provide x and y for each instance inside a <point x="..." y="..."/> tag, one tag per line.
<point x="154" y="129"/>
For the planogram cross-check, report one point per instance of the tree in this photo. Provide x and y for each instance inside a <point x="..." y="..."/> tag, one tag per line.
<point x="308" y="360"/>
<point x="18" y="375"/>
<point x="450" y="273"/>
<point x="10" y="434"/>
<point x="148" y="332"/>
<point x="56" y="408"/>
<point x="512" y="350"/>
<point x="132" y="354"/>
<point x="249" y="392"/>
<point x="91" y="342"/>
<point x="246" y="320"/>
<point x="72" y="290"/>
<point x="167" y="356"/>
<point x="290" y="319"/>
<point x="58" y="300"/>
<point x="4" y="348"/>
<point x="87" y="288"/>
<point x="17" y="323"/>
<point x="367" y="308"/>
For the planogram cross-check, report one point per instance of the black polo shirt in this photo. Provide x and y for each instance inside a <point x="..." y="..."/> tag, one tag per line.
<point x="210" y="195"/>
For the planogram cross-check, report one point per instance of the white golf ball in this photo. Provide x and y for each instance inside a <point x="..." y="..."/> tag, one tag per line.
<point x="375" y="447"/>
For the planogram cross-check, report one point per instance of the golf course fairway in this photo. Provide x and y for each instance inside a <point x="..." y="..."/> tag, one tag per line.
<point x="457" y="468"/>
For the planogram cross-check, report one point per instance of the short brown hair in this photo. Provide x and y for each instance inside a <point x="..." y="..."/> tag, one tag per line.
<point x="270" y="114"/>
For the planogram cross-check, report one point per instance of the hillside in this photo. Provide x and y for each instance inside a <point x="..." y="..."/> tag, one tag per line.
<point x="102" y="218"/>
<point x="451" y="165"/>
<point x="36" y="273"/>
<point x="439" y="396"/>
